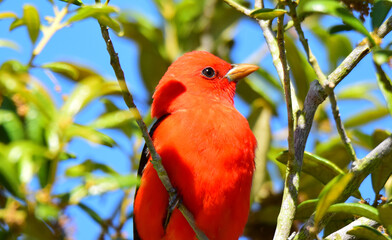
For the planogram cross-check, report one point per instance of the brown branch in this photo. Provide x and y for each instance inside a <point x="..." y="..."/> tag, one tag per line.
<point x="290" y="192"/>
<point x="339" y="125"/>
<point x="156" y="159"/>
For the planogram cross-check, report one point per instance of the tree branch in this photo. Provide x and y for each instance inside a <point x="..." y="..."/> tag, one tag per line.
<point x="360" y="170"/>
<point x="342" y="233"/>
<point x="156" y="159"/>
<point x="339" y="125"/>
<point x="290" y="192"/>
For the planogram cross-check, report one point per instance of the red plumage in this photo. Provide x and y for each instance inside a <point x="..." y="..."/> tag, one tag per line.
<point x="207" y="149"/>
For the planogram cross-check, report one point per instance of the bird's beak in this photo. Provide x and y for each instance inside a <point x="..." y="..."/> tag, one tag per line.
<point x="240" y="71"/>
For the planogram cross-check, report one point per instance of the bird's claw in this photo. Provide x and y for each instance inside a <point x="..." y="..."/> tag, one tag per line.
<point x="174" y="202"/>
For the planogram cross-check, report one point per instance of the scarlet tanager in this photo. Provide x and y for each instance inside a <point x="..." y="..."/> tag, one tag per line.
<point x="207" y="149"/>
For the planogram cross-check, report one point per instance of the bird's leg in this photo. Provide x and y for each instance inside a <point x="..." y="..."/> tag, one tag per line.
<point x="174" y="201"/>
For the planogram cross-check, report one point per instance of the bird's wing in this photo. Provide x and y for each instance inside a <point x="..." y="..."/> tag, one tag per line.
<point x="142" y="164"/>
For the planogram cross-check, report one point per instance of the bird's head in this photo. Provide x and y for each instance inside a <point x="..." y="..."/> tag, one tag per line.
<point x="197" y="77"/>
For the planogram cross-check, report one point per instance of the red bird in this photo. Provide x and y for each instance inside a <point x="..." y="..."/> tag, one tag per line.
<point x="207" y="149"/>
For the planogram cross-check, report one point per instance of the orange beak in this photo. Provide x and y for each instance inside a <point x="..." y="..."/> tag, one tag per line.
<point x="240" y="71"/>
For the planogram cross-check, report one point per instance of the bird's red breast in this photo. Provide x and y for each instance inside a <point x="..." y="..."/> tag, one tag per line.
<point x="206" y="147"/>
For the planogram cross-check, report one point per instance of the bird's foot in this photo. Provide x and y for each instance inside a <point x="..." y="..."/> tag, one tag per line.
<point x="174" y="202"/>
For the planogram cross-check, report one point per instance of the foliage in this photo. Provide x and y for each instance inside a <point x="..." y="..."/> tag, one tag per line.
<point x="36" y="128"/>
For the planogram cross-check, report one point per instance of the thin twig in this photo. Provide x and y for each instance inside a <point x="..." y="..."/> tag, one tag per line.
<point x="339" y="125"/>
<point x="156" y="159"/>
<point x="311" y="58"/>
<point x="290" y="192"/>
<point x="239" y="7"/>
<point x="50" y="31"/>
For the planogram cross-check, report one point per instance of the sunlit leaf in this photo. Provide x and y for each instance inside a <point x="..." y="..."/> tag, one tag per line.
<point x="385" y="212"/>
<point x="92" y="11"/>
<point x="32" y="21"/>
<point x="381" y="56"/>
<point x="9" y="44"/>
<point x="87" y="168"/>
<point x="334" y="8"/>
<point x="331" y="194"/>
<point x="357" y="209"/>
<point x="4" y="15"/>
<point x="17" y="23"/>
<point x="89" y="134"/>
<point x="47" y="211"/>
<point x="267" y="13"/>
<point x="12" y="125"/>
<point x="75" y="2"/>
<point x="111" y="23"/>
<point x="366" y="232"/>
<point x="366" y="116"/>
<point x="8" y="176"/>
<point x="63" y="68"/>
<point x="320" y="168"/>
<point x="358" y="91"/>
<point x="114" y="119"/>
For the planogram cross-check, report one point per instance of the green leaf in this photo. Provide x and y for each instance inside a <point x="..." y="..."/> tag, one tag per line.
<point x="381" y="56"/>
<point x="358" y="91"/>
<point x="12" y="125"/>
<point x="32" y="21"/>
<point x="331" y="194"/>
<point x="86" y="168"/>
<point x="92" y="214"/>
<point x="385" y="212"/>
<point x="306" y="208"/>
<point x="267" y="13"/>
<point x="89" y="134"/>
<point x="47" y="212"/>
<point x="303" y="73"/>
<point x="357" y="209"/>
<point x="63" y="68"/>
<point x="381" y="174"/>
<point x="333" y="8"/>
<point x="37" y="229"/>
<point x="318" y="167"/>
<point x="9" y="44"/>
<point x="337" y="46"/>
<point x="75" y="2"/>
<point x="379" y="12"/>
<point x="4" y="15"/>
<point x="83" y="94"/>
<point x="95" y="11"/>
<point x="366" y="116"/>
<point x="17" y="23"/>
<point x="8" y="176"/>
<point x="339" y="28"/>
<point x="385" y="84"/>
<point x="366" y="232"/>
<point x="115" y="119"/>
<point x="111" y="23"/>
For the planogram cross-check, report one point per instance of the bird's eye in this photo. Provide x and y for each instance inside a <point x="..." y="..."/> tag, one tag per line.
<point x="208" y="72"/>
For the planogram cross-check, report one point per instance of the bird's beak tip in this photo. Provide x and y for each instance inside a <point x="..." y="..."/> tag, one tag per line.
<point x="240" y="71"/>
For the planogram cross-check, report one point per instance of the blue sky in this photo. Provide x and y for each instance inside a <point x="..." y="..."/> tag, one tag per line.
<point x="82" y="43"/>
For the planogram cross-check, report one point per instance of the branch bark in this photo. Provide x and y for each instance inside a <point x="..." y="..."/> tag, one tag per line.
<point x="342" y="233"/>
<point x="156" y="159"/>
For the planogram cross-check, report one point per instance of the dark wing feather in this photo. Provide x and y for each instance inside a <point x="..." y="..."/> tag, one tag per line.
<point x="142" y="164"/>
